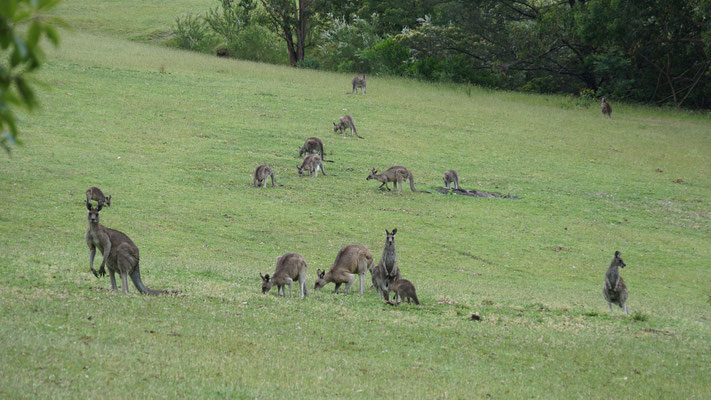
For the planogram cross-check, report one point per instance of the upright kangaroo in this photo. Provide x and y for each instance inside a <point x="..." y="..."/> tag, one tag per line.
<point x="261" y="173"/>
<point x="352" y="259"/>
<point x="94" y="193"/>
<point x="290" y="266"/>
<point x="403" y="289"/>
<point x="450" y="177"/>
<point x="120" y="254"/>
<point x="313" y="145"/>
<point x="344" y="122"/>
<point x="606" y="108"/>
<point x="312" y="163"/>
<point x="387" y="266"/>
<point x="358" y="82"/>
<point x="614" y="290"/>
<point x="396" y="174"/>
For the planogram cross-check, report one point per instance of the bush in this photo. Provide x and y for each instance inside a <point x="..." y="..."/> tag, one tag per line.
<point x="192" y="33"/>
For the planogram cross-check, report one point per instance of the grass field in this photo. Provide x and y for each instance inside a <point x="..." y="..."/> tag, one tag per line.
<point x="175" y="137"/>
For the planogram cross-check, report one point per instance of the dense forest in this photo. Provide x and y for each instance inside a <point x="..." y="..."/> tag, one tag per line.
<point x="651" y="51"/>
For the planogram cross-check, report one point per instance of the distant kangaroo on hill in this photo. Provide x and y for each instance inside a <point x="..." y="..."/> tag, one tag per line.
<point x="261" y="173"/>
<point x="359" y="82"/>
<point x="344" y="122"/>
<point x="313" y="145"/>
<point x="290" y="266"/>
<point x="312" y="163"/>
<point x="95" y="194"/>
<point x="396" y="174"/>
<point x="120" y="254"/>
<point x="403" y="289"/>
<point x="387" y="266"/>
<point x="606" y="108"/>
<point x="614" y="290"/>
<point x="351" y="260"/>
<point x="450" y="177"/>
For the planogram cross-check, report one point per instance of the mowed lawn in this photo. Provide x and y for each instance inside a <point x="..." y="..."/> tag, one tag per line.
<point x="174" y="137"/>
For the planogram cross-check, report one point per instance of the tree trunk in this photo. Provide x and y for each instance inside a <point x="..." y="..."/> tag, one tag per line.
<point x="293" y="57"/>
<point x="303" y="16"/>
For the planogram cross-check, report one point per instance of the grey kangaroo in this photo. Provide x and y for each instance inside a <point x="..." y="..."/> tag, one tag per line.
<point x="289" y="267"/>
<point x="397" y="175"/>
<point x="352" y="259"/>
<point x="95" y="194"/>
<point x="614" y="290"/>
<point x="358" y="82"/>
<point x="312" y="163"/>
<point x="119" y="254"/>
<point x="261" y="173"/>
<point x="344" y="122"/>
<point x="403" y="289"/>
<point x="450" y="177"/>
<point x="386" y="267"/>
<point x="313" y="145"/>
<point x="606" y="108"/>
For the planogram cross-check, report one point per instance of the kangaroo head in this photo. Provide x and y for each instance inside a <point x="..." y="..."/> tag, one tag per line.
<point x="603" y="100"/>
<point x="93" y="212"/>
<point x="390" y="237"/>
<point x="320" y="281"/>
<point x="108" y="201"/>
<point x="267" y="283"/>
<point x="372" y="176"/>
<point x="618" y="260"/>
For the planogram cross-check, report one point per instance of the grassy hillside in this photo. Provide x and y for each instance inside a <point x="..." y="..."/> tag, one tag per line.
<point x="175" y="136"/>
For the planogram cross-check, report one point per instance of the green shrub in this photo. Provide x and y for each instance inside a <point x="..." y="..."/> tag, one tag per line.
<point x="191" y="32"/>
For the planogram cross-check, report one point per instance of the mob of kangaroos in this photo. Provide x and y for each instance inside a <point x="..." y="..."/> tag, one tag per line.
<point x="312" y="163"/>
<point x="606" y="108"/>
<point x="261" y="173"/>
<point x="351" y="260"/>
<point x="613" y="289"/>
<point x="95" y="194"/>
<point x="120" y="254"/>
<point x="344" y="122"/>
<point x="397" y="175"/>
<point x="386" y="267"/>
<point x="290" y="266"/>
<point x="359" y="82"/>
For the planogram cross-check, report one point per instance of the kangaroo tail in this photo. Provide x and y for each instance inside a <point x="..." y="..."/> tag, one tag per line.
<point x="412" y="185"/>
<point x="136" y="278"/>
<point x="414" y="298"/>
<point x="355" y="131"/>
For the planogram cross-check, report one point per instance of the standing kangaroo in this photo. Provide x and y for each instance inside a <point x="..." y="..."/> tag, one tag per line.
<point x="403" y="289"/>
<point x="396" y="174"/>
<point x="344" y="122"/>
<point x="450" y="177"/>
<point x="358" y="82"/>
<point x="386" y="267"/>
<point x="614" y="290"/>
<point x="95" y="194"/>
<point x="352" y="259"/>
<point x="261" y="173"/>
<point x="312" y="163"/>
<point x="290" y="266"/>
<point x="313" y="145"/>
<point x="119" y="254"/>
<point x="606" y="108"/>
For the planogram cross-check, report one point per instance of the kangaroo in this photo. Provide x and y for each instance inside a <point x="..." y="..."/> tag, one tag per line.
<point x="94" y="193"/>
<point x="386" y="267"/>
<point x="396" y="174"/>
<point x="344" y="122"/>
<point x="312" y="163"/>
<point x="313" y="145"/>
<point x="260" y="175"/>
<point x="119" y="254"/>
<point x="290" y="266"/>
<point x="614" y="290"/>
<point x="358" y="82"/>
<point x="403" y="289"/>
<point x="606" y="108"/>
<point x="352" y="259"/>
<point x="450" y="177"/>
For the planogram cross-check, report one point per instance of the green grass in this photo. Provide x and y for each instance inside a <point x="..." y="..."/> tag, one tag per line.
<point x="177" y="148"/>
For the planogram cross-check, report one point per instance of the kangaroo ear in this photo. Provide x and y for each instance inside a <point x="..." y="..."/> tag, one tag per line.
<point x="100" y="207"/>
<point x="261" y="276"/>
<point x="266" y="277"/>
<point x="617" y="254"/>
<point x="88" y="204"/>
<point x="334" y="124"/>
<point x="394" y="231"/>
<point x="318" y="272"/>
<point x="386" y="231"/>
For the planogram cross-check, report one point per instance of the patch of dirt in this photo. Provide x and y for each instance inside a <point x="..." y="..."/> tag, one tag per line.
<point x="475" y="193"/>
<point x="560" y="248"/>
<point x="679" y="181"/>
<point x="446" y="300"/>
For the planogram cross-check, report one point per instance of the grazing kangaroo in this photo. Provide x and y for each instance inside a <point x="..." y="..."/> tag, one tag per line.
<point x="290" y="266"/>
<point x="120" y="254"/>
<point x="94" y="193"/>
<point x="261" y="173"/>
<point x="403" y="289"/>
<point x="344" y="122"/>
<point x="606" y="108"/>
<point x="313" y="145"/>
<point x="358" y="82"/>
<point x="312" y="163"/>
<point x="396" y="174"/>
<point x="450" y="177"/>
<point x="614" y="290"/>
<point x="386" y="267"/>
<point x="352" y="259"/>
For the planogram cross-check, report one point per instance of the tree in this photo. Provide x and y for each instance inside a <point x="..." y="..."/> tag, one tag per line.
<point x="290" y="20"/>
<point x="22" y="26"/>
